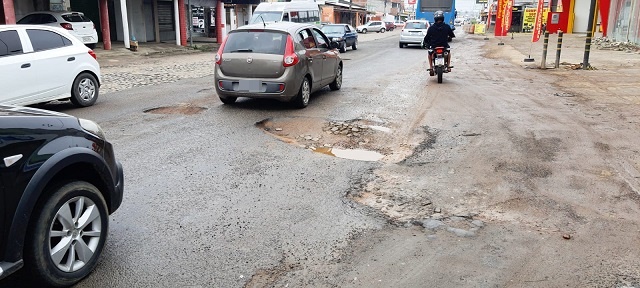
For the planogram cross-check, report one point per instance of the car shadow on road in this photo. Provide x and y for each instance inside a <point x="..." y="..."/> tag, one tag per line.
<point x="275" y="105"/>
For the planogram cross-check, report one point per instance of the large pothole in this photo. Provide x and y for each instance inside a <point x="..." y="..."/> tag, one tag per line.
<point x="182" y="108"/>
<point x="353" y="139"/>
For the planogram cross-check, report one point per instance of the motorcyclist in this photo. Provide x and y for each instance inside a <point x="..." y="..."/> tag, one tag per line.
<point x="438" y="36"/>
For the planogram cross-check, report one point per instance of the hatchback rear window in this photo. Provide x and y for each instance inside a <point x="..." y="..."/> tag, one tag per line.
<point x="264" y="42"/>
<point x="416" y="25"/>
<point x="75" y="18"/>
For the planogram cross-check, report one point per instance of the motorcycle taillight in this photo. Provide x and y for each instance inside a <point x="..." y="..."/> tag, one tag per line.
<point x="439" y="50"/>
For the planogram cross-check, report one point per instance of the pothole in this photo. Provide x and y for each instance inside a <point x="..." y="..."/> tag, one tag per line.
<point x="357" y="139"/>
<point x="184" y="109"/>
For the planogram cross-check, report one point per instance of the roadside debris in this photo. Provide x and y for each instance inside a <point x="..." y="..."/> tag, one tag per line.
<point x="604" y="43"/>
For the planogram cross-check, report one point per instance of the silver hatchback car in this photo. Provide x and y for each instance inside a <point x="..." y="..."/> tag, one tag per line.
<point x="285" y="61"/>
<point x="413" y="32"/>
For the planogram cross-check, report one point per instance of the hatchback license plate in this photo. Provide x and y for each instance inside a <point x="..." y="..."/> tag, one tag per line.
<point x="249" y="85"/>
<point x="86" y="39"/>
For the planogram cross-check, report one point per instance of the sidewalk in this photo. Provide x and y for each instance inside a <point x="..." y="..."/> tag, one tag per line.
<point x="118" y="55"/>
<point x="615" y="78"/>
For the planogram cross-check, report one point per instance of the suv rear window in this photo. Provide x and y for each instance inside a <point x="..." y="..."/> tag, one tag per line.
<point x="265" y="42"/>
<point x="416" y="25"/>
<point x="75" y="18"/>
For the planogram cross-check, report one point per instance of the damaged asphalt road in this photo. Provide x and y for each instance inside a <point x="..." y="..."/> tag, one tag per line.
<point x="487" y="180"/>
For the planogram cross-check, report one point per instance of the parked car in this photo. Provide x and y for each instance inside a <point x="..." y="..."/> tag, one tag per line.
<point x="284" y="60"/>
<point x="59" y="182"/>
<point x="377" y="26"/>
<point x="389" y="26"/>
<point x="343" y="34"/>
<point x="76" y="23"/>
<point x="413" y="32"/>
<point x="42" y="63"/>
<point x="399" y="23"/>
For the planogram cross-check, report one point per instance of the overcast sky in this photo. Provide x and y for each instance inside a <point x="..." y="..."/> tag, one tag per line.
<point x="467" y="5"/>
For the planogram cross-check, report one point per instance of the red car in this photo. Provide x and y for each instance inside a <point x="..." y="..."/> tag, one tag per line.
<point x="389" y="26"/>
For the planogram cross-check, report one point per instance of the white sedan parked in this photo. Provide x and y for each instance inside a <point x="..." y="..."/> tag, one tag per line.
<point x="41" y="63"/>
<point x="76" y="23"/>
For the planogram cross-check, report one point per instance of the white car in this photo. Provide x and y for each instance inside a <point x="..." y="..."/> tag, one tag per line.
<point x="39" y="64"/>
<point x="377" y="26"/>
<point x="75" y="22"/>
<point x="413" y="32"/>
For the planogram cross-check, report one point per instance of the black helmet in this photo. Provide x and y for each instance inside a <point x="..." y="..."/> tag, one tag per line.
<point x="438" y="16"/>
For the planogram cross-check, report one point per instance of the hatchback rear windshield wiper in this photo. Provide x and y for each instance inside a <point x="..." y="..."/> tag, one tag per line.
<point x="243" y="50"/>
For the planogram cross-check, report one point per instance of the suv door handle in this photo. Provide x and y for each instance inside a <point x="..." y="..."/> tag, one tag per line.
<point x="27" y="65"/>
<point x="71" y="59"/>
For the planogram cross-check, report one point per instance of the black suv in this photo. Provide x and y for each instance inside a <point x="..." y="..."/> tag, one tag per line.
<point x="59" y="182"/>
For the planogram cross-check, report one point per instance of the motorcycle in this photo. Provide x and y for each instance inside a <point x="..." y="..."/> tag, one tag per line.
<point x="440" y="65"/>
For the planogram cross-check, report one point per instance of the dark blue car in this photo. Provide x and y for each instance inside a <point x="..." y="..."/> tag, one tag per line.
<point x="343" y="34"/>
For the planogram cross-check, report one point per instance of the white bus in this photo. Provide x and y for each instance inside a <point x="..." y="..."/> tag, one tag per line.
<point x="294" y="11"/>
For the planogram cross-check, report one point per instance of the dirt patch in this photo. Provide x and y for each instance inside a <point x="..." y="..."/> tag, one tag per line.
<point x="268" y="277"/>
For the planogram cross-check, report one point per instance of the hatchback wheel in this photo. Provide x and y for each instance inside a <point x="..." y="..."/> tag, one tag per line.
<point x="382" y="30"/>
<point x="337" y="82"/>
<point x="84" y="91"/>
<point x="302" y="99"/>
<point x="355" y="45"/>
<point x="68" y="234"/>
<point x="364" y="31"/>
<point x="343" y="47"/>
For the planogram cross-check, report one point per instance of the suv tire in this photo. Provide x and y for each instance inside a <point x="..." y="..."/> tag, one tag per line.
<point x="74" y="202"/>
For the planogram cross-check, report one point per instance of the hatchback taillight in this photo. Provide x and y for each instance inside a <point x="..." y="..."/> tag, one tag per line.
<point x="219" y="54"/>
<point x="290" y="57"/>
<point x="67" y="26"/>
<point x="93" y="54"/>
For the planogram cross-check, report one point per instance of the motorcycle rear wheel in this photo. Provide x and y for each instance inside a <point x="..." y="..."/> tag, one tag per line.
<point x="439" y="72"/>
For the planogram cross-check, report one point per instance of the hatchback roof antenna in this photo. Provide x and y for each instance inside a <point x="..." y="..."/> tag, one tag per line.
<point x="264" y="25"/>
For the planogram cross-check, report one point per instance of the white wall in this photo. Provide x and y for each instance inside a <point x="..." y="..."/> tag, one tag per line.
<point x="581" y="12"/>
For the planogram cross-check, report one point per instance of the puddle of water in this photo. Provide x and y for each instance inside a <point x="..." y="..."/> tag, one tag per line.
<point x="380" y="128"/>
<point x="353" y="154"/>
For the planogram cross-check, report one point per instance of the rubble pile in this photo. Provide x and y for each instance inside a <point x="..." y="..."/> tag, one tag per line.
<point x="604" y="43"/>
<point x="347" y="129"/>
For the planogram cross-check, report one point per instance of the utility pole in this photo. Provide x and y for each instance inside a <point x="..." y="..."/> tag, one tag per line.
<point x="587" y="45"/>
<point x="351" y="13"/>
